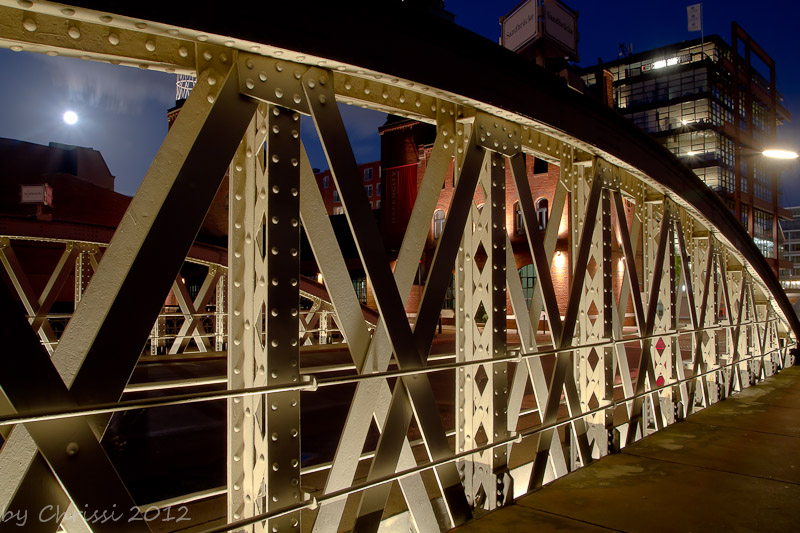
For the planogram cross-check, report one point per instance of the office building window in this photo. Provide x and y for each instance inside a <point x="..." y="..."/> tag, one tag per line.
<point x="761" y="181"/>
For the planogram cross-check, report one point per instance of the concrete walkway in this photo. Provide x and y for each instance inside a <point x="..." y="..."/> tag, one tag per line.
<point x="732" y="467"/>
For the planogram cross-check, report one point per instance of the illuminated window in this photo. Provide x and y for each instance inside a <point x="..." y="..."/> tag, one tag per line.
<point x="338" y="210"/>
<point x="360" y="285"/>
<point x="438" y="223"/>
<point x="527" y="275"/>
<point x="542" y="213"/>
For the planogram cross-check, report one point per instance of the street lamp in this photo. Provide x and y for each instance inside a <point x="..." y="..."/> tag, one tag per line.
<point x="775" y="153"/>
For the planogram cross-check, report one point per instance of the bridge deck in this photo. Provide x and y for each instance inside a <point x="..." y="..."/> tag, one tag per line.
<point x="733" y="466"/>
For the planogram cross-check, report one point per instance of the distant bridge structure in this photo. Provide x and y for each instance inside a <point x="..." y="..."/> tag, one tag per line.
<point x="521" y="417"/>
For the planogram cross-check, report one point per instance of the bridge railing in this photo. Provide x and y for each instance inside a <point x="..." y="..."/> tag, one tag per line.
<point x="192" y="320"/>
<point x="473" y="432"/>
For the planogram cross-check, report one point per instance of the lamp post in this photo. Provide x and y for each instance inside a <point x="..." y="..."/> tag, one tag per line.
<point x="778" y="153"/>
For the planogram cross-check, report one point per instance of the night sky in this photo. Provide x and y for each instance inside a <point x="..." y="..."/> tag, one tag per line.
<point x="122" y="110"/>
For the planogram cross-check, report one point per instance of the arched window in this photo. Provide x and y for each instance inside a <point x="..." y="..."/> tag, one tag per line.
<point x="438" y="223"/>
<point x="541" y="213"/>
<point x="527" y="275"/>
<point x="519" y="223"/>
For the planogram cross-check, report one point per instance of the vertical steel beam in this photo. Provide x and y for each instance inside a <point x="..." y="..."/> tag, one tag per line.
<point x="147" y="250"/>
<point x="594" y="366"/>
<point x="482" y="390"/>
<point x="246" y="364"/>
<point x="264" y="453"/>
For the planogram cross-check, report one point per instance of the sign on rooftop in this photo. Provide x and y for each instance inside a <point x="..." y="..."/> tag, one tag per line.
<point x="521" y="26"/>
<point x="561" y="25"/>
<point x="36" y="194"/>
<point x="548" y="21"/>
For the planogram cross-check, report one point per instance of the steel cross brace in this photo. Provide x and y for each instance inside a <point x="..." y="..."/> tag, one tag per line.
<point x="38" y="308"/>
<point x="426" y="411"/>
<point x="562" y="332"/>
<point x="698" y="363"/>
<point x="192" y="323"/>
<point x="528" y="322"/>
<point x="68" y="445"/>
<point x="630" y="243"/>
<point x="147" y="250"/>
<point x="646" y="373"/>
<point x="735" y="372"/>
<point x="372" y="398"/>
<point x="644" y="323"/>
<point x="318" y="88"/>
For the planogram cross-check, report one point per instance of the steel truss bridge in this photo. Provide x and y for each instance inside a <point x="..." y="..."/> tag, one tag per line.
<point x="523" y="416"/>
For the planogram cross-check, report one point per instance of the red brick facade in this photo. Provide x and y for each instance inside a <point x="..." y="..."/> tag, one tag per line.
<point x="370" y="173"/>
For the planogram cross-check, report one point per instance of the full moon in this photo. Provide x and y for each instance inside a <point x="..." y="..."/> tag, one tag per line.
<point x="70" y="117"/>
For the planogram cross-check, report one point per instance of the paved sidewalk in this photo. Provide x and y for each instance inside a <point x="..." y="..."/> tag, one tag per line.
<point x="732" y="467"/>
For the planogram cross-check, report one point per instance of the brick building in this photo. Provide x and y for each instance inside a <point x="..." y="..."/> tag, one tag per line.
<point x="406" y="147"/>
<point x="371" y="175"/>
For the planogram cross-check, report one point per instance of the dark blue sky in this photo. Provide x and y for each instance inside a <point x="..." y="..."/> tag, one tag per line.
<point x="123" y="109"/>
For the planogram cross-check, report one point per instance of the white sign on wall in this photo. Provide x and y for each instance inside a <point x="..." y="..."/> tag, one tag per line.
<point x="36" y="194"/>
<point x="561" y="25"/>
<point x="521" y="26"/>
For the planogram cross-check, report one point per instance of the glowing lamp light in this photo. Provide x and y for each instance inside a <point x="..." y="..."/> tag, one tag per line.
<point x="70" y="117"/>
<point x="780" y="154"/>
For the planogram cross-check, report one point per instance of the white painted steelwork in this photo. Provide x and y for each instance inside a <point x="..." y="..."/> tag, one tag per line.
<point x="632" y="213"/>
